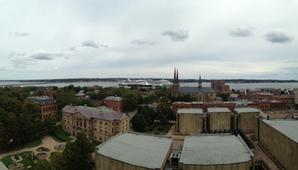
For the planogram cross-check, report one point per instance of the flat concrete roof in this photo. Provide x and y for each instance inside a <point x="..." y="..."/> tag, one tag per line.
<point x="2" y="166"/>
<point x="214" y="150"/>
<point x="218" y="109"/>
<point x="287" y="127"/>
<point x="141" y="150"/>
<point x="247" y="110"/>
<point x="190" y="111"/>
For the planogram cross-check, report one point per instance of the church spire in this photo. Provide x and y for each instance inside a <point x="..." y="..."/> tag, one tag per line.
<point x="200" y="82"/>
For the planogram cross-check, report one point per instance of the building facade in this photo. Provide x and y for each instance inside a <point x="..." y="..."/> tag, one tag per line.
<point x="189" y="121"/>
<point x="219" y="119"/>
<point x="98" y="124"/>
<point x="114" y="103"/>
<point x="296" y="97"/>
<point x="220" y="86"/>
<point x="47" y="106"/>
<point x="245" y="119"/>
<point x="280" y="139"/>
<point x="200" y="93"/>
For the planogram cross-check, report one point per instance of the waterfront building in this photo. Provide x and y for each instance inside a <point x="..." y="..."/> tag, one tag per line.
<point x="133" y="151"/>
<point x="220" y="86"/>
<point x="190" y="120"/>
<point x="47" y="106"/>
<point x="202" y="94"/>
<point x="113" y="102"/>
<point x="215" y="151"/>
<point x="97" y="123"/>
<point x="280" y="139"/>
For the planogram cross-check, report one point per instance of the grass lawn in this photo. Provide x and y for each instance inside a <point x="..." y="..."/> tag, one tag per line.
<point x="28" y="160"/>
<point x="60" y="136"/>
<point x="33" y="144"/>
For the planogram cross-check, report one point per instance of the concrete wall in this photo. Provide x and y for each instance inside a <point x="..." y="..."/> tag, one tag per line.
<point x="246" y="122"/>
<point x="281" y="147"/>
<point x="220" y="121"/>
<point x="190" y="123"/>
<point x="239" y="166"/>
<point x="105" y="163"/>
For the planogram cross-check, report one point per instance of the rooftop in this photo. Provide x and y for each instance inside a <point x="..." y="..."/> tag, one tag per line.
<point x="218" y="110"/>
<point x="42" y="99"/>
<point x="114" y="98"/>
<point x="2" y="166"/>
<point x="102" y="112"/>
<point x="137" y="149"/>
<point x="190" y="90"/>
<point x="287" y="127"/>
<point x="190" y="111"/>
<point x="214" y="149"/>
<point x="246" y="110"/>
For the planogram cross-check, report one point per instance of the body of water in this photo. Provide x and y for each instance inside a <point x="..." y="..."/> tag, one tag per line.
<point x="292" y="85"/>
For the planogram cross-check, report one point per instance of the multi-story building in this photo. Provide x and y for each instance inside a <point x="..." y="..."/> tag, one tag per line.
<point x="220" y="86"/>
<point x="246" y="118"/>
<point x="202" y="94"/>
<point x="202" y="105"/>
<point x="96" y="123"/>
<point x="113" y="102"/>
<point x="47" y="106"/>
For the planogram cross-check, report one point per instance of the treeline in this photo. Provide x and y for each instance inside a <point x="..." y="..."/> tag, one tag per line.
<point x="19" y="119"/>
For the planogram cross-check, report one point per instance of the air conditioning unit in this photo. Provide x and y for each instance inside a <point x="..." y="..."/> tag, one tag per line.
<point x="174" y="160"/>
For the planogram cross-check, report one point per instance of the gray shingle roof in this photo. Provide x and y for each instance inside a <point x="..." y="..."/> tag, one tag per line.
<point x="247" y="110"/>
<point x="102" y="112"/>
<point x="191" y="90"/>
<point x="190" y="111"/>
<point x="214" y="149"/>
<point x="218" y="110"/>
<point x="137" y="149"/>
<point x="287" y="127"/>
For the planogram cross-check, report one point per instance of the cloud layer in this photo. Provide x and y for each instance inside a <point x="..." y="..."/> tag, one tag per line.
<point x="278" y="37"/>
<point x="241" y="32"/>
<point x="176" y="35"/>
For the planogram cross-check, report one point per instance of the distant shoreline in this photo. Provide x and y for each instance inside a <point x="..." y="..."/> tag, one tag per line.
<point x="68" y="80"/>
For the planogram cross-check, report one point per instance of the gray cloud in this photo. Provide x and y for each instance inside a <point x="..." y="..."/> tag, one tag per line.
<point x="20" y="34"/>
<point x="241" y="32"/>
<point x="278" y="37"/>
<point x="176" y="35"/>
<point x="72" y="49"/>
<point x="92" y="44"/>
<point x="142" y="42"/>
<point x="45" y="56"/>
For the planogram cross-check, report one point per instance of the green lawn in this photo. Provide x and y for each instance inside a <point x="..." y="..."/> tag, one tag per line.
<point x="28" y="160"/>
<point x="60" y="136"/>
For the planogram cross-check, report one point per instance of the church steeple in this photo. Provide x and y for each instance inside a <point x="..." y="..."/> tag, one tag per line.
<point x="176" y="76"/>
<point x="200" y="82"/>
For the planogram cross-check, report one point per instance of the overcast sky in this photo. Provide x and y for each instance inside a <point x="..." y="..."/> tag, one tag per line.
<point x="42" y="39"/>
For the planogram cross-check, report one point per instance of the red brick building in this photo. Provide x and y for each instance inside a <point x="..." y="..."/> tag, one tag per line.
<point x="114" y="103"/>
<point x="47" y="106"/>
<point x="220" y="86"/>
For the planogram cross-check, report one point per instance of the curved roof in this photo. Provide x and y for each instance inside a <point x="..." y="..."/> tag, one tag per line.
<point x="137" y="149"/>
<point x="247" y="110"/>
<point x="190" y="111"/>
<point x="214" y="149"/>
<point x="218" y="110"/>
